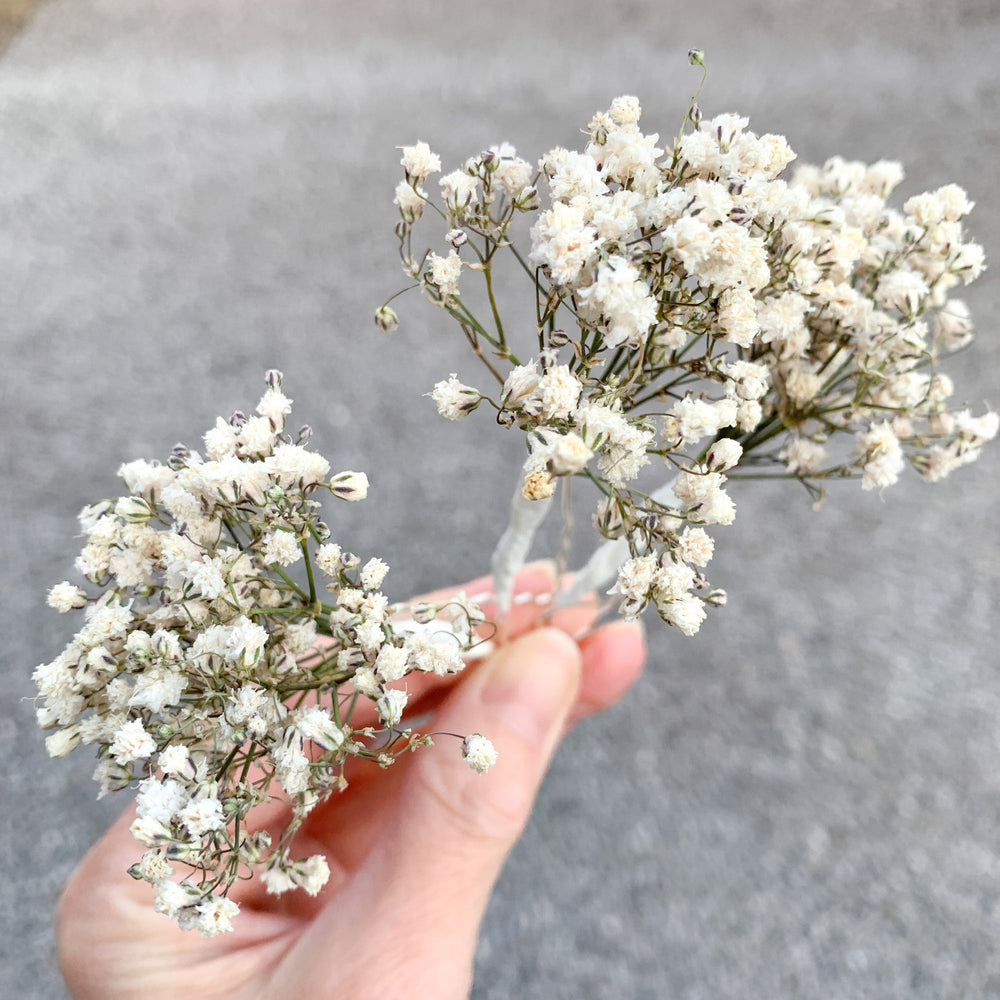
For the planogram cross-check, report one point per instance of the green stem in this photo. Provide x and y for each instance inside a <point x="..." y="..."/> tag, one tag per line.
<point x="309" y="572"/>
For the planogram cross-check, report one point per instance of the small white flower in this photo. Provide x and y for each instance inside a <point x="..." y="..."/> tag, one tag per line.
<point x="312" y="873"/>
<point x="172" y="897"/>
<point x="153" y="866"/>
<point x="132" y="743"/>
<point x="373" y="573"/>
<point x="696" y="546"/>
<point x="392" y="662"/>
<point x="215" y="916"/>
<point x="63" y="742"/>
<point x="315" y="723"/>
<point x="419" y="162"/>
<point x="459" y="189"/>
<point x="558" y="391"/>
<point x="445" y="272"/>
<point x="453" y="399"/>
<point x="275" y="406"/>
<point x="390" y="706"/>
<point x="519" y="385"/>
<point x="411" y="202"/>
<point x="65" y="596"/>
<point x="176" y="759"/>
<point x="281" y="547"/>
<point x="202" y="816"/>
<point x="686" y="613"/>
<point x="434" y="654"/>
<point x="568" y="455"/>
<point x="277" y="879"/>
<point x="479" y="753"/>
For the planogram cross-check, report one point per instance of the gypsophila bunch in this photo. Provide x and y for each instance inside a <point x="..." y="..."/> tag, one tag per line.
<point x="697" y="309"/>
<point x="232" y="654"/>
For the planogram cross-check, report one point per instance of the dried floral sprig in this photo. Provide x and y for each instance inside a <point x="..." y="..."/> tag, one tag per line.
<point x="694" y="306"/>
<point x="215" y="678"/>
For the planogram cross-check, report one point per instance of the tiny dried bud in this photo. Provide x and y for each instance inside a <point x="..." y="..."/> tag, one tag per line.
<point x="386" y="319"/>
<point x="717" y="598"/>
<point x="457" y="238"/>
<point x="696" y="57"/>
<point x="272" y="377"/>
<point x="724" y="454"/>
<point x="558" y="338"/>
<point x="548" y="358"/>
<point x="527" y="200"/>
<point x="350" y="486"/>
<point x="608" y="519"/>
<point x="133" y="509"/>
<point x="424" y="613"/>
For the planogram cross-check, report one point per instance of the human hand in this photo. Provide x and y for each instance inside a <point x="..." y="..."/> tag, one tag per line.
<point x="413" y="850"/>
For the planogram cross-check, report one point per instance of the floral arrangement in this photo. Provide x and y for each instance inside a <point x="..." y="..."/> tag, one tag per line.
<point x="698" y="318"/>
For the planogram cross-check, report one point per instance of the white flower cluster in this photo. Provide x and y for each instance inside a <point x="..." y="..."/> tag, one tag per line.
<point x="695" y="306"/>
<point x="208" y="673"/>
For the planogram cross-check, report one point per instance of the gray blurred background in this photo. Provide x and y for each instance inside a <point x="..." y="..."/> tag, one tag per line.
<point x="801" y="802"/>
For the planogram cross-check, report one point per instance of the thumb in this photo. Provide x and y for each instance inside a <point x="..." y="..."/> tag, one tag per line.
<point x="455" y="827"/>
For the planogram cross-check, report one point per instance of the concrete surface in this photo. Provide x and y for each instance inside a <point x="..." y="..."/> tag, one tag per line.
<point x="802" y="802"/>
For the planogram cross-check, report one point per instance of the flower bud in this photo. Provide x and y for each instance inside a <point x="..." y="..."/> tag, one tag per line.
<point x="527" y="200"/>
<point x="608" y="519"/>
<point x="521" y="383"/>
<point x="386" y="319"/>
<point x="349" y="486"/>
<point x="135" y="510"/>
<point x="724" y="454"/>
<point x="569" y="455"/>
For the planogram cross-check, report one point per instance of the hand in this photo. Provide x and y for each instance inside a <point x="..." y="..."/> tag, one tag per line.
<point x="413" y="850"/>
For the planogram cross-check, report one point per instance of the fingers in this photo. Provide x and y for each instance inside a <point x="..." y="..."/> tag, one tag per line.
<point x="440" y="850"/>
<point x="613" y="658"/>
<point x="534" y="586"/>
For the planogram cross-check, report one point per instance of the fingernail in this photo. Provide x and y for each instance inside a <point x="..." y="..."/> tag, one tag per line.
<point x="532" y="683"/>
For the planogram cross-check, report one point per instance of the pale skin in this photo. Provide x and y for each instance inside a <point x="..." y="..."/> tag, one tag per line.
<point x="413" y="850"/>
